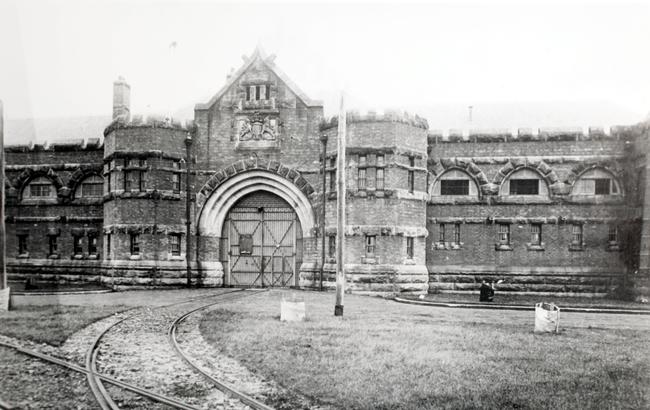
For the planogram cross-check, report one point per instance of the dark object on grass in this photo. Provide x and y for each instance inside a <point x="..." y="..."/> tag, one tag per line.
<point x="487" y="292"/>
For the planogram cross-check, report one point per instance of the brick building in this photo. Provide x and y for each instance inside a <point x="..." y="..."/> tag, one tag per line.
<point x="548" y="210"/>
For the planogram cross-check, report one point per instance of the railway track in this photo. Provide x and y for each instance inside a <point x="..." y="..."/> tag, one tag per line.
<point x="97" y="380"/>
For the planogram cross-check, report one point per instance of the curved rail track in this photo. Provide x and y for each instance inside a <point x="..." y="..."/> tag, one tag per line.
<point x="96" y="380"/>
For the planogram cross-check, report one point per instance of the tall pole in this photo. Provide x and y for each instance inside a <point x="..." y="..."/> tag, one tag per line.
<point x="3" y="236"/>
<point x="340" y="211"/>
<point x="188" y="213"/>
<point x="323" y="140"/>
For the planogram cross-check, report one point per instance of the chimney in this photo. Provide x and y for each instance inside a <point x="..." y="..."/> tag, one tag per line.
<point x="121" y="100"/>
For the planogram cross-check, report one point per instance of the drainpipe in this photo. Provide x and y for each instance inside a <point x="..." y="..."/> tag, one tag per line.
<point x="323" y="140"/>
<point x="188" y="213"/>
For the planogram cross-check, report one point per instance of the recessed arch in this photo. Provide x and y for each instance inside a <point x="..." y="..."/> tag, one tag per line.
<point x="523" y="174"/>
<point x="455" y="173"/>
<point x="595" y="180"/>
<point x="215" y="209"/>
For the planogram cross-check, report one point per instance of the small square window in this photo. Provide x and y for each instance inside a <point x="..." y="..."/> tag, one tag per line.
<point x="92" y="245"/>
<point x="504" y="233"/>
<point x="379" y="179"/>
<point x="77" y="245"/>
<point x="331" y="246"/>
<point x="22" y="244"/>
<point x="457" y="234"/>
<point x="603" y="186"/>
<point x="175" y="244"/>
<point x="441" y="234"/>
<point x="361" y="181"/>
<point x="135" y="244"/>
<point x="362" y="160"/>
<point x="535" y="234"/>
<point x="411" y="181"/>
<point x="54" y="245"/>
<point x="370" y="245"/>
<point x="409" y="247"/>
<point x="245" y="244"/>
<point x="108" y="244"/>
<point x="176" y="182"/>
<point x="380" y="160"/>
<point x="576" y="235"/>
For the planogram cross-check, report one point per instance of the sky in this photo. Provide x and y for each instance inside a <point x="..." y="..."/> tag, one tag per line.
<point x="514" y="62"/>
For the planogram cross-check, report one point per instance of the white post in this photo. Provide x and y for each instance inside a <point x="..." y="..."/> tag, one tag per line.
<point x="340" y="211"/>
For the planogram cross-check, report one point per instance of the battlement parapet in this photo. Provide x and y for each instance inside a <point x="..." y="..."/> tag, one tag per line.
<point x="372" y="116"/>
<point x="151" y="121"/>
<point x="592" y="133"/>
<point x="80" y="144"/>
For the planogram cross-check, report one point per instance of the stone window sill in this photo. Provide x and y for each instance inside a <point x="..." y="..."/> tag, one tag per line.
<point x="613" y="247"/>
<point x="93" y="256"/>
<point x="23" y="255"/>
<point x="77" y="256"/>
<point x="535" y="247"/>
<point x="176" y="258"/>
<point x="409" y="261"/>
<point x="330" y="260"/>
<point x="502" y="247"/>
<point x="135" y="257"/>
<point x="576" y="248"/>
<point x="449" y="246"/>
<point x="54" y="256"/>
<point x="369" y="260"/>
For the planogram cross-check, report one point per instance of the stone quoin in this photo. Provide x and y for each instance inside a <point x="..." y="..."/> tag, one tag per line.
<point x="554" y="211"/>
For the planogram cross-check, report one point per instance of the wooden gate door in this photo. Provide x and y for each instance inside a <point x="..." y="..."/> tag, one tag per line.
<point x="262" y="246"/>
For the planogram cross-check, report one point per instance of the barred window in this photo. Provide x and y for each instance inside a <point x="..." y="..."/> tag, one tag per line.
<point x="536" y="234"/>
<point x="176" y="182"/>
<point x="380" y="160"/>
<point x="379" y="183"/>
<point x="22" y="244"/>
<point x="362" y="160"/>
<point x="576" y="235"/>
<point x="175" y="244"/>
<point x="108" y="244"/>
<point x="504" y="233"/>
<point x="77" y="245"/>
<point x="454" y="187"/>
<point x="92" y="187"/>
<point x="40" y="187"/>
<point x="370" y="245"/>
<point x="457" y="233"/>
<point x="361" y="181"/>
<point x="135" y="244"/>
<point x="54" y="246"/>
<point x="441" y="236"/>
<point x="331" y="246"/>
<point x="409" y="247"/>
<point x="612" y="235"/>
<point x="92" y="244"/>
<point x="524" y="187"/>
<point x="411" y="181"/>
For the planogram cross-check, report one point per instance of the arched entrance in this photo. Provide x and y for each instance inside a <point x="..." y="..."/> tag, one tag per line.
<point x="276" y="193"/>
<point x="264" y="242"/>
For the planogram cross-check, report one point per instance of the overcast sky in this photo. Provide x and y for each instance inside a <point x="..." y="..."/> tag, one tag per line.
<point x="60" y="58"/>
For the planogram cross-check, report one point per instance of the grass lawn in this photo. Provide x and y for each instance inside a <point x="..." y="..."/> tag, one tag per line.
<point x="385" y="355"/>
<point x="51" y="324"/>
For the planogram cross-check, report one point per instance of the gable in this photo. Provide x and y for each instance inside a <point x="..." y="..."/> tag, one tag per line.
<point x="260" y="69"/>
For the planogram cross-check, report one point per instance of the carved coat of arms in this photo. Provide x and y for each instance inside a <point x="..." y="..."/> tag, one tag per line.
<point x="257" y="127"/>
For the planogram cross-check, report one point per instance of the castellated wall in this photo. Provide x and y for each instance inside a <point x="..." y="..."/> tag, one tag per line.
<point x="608" y="223"/>
<point x="47" y="225"/>
<point x="383" y="208"/>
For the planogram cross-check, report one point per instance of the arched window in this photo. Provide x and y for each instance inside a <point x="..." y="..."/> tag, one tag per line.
<point x="524" y="182"/>
<point x="454" y="183"/>
<point x="39" y="188"/>
<point x="91" y="187"/>
<point x="596" y="182"/>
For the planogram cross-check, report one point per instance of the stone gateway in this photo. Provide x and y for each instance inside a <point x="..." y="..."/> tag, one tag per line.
<point x="554" y="211"/>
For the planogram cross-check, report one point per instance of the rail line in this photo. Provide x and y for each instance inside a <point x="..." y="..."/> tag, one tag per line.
<point x="98" y="389"/>
<point x="224" y="387"/>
